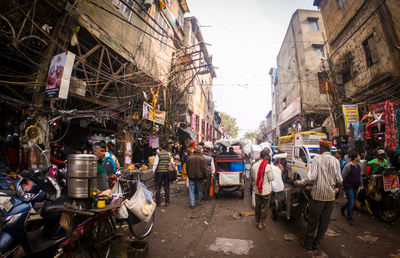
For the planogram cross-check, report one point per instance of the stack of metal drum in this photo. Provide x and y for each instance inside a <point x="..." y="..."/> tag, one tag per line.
<point x="81" y="181"/>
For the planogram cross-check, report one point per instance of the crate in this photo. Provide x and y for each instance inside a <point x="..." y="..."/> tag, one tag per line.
<point x="138" y="249"/>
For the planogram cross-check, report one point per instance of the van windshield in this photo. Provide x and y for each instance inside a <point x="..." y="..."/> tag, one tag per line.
<point x="313" y="152"/>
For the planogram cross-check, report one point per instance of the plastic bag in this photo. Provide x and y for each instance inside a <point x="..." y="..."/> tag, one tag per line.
<point x="122" y="212"/>
<point x="146" y="192"/>
<point x="139" y="205"/>
<point x="117" y="188"/>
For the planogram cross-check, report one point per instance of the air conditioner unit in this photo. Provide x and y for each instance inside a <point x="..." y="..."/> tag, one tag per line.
<point x="148" y="3"/>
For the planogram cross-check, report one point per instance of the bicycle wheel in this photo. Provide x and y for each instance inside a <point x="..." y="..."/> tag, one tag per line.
<point x="140" y="229"/>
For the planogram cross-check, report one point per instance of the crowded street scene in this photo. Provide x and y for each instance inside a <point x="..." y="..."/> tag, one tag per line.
<point x="199" y="128"/>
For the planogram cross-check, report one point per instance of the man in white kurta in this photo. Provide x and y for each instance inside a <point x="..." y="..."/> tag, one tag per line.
<point x="262" y="175"/>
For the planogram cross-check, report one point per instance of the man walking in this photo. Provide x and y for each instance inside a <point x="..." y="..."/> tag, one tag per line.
<point x="160" y="168"/>
<point x="196" y="167"/>
<point x="210" y="170"/>
<point x="262" y="175"/>
<point x="352" y="182"/>
<point x="325" y="176"/>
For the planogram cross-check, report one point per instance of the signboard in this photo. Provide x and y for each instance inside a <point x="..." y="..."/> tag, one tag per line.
<point x="350" y="114"/>
<point x="153" y="115"/>
<point x="380" y="107"/>
<point x="293" y="109"/>
<point x="154" y="141"/>
<point x="390" y="182"/>
<point x="58" y="79"/>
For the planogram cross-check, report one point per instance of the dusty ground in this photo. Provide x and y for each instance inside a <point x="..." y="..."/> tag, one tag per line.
<point x="183" y="232"/>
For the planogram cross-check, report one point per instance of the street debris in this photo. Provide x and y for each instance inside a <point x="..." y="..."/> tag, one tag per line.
<point x="162" y="210"/>
<point x="247" y="213"/>
<point x="234" y="246"/>
<point x="368" y="238"/>
<point x="331" y="233"/>
<point x="290" y="237"/>
<point x="235" y="215"/>
<point x="205" y="222"/>
<point x="317" y="253"/>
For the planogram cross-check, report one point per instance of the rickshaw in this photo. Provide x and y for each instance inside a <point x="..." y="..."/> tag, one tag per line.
<point x="230" y="170"/>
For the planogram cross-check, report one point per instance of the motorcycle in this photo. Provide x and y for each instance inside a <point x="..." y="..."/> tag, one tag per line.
<point x="379" y="199"/>
<point x="21" y="224"/>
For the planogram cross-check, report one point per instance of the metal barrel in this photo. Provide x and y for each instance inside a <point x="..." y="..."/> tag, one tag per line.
<point x="82" y="175"/>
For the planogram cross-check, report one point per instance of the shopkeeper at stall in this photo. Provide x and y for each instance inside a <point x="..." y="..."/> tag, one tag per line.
<point x="99" y="149"/>
<point x="379" y="162"/>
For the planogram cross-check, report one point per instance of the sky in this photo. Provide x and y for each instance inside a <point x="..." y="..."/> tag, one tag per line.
<point x="245" y="38"/>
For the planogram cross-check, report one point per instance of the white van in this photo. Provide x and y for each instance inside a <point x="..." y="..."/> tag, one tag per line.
<point x="301" y="149"/>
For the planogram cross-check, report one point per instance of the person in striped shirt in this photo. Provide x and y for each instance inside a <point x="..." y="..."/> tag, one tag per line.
<point x="325" y="176"/>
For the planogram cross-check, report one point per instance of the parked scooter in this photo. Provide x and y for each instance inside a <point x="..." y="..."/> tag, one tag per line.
<point x="380" y="202"/>
<point x="20" y="206"/>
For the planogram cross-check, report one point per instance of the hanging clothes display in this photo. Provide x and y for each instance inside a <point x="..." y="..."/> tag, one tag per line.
<point x="398" y="130"/>
<point x="352" y="145"/>
<point x="391" y="136"/>
<point x="358" y="131"/>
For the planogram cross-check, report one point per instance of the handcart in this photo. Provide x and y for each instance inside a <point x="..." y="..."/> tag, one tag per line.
<point x="292" y="200"/>
<point x="230" y="171"/>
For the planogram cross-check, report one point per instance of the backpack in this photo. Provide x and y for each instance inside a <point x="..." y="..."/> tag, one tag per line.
<point x="109" y="165"/>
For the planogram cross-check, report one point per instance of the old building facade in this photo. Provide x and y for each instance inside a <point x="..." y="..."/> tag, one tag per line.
<point x="124" y="57"/>
<point x="363" y="38"/>
<point x="299" y="101"/>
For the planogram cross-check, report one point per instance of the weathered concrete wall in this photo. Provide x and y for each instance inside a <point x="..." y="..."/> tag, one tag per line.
<point x="298" y="64"/>
<point x="336" y="18"/>
<point x="349" y="27"/>
<point x="147" y="53"/>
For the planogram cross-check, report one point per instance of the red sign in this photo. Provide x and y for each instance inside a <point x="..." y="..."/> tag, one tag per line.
<point x="292" y="110"/>
<point x="380" y="107"/>
<point x="390" y="182"/>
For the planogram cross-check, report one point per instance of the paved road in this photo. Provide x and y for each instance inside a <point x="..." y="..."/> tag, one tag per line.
<point x="206" y="232"/>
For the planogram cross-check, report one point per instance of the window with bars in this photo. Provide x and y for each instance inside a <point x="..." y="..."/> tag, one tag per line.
<point x="313" y="23"/>
<point x="371" y="51"/>
<point x="124" y="9"/>
<point x="197" y="123"/>
<point x="319" y="50"/>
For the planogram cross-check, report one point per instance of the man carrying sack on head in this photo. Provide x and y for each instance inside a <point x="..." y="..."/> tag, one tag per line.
<point x="262" y="175"/>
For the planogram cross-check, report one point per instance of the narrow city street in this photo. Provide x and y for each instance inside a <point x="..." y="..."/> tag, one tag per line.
<point x="215" y="228"/>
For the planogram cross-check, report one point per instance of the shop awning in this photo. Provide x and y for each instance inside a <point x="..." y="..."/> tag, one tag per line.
<point x="190" y="132"/>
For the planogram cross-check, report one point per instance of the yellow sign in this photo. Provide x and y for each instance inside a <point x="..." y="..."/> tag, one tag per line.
<point x="350" y="114"/>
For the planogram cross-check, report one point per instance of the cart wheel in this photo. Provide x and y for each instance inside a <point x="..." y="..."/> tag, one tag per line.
<point x="242" y="194"/>
<point x="274" y="209"/>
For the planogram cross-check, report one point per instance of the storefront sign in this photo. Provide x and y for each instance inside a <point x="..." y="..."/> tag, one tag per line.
<point x="380" y="107"/>
<point x="350" y="114"/>
<point x="292" y="110"/>
<point x="168" y="13"/>
<point x="58" y="79"/>
<point x="390" y="182"/>
<point x="153" y="115"/>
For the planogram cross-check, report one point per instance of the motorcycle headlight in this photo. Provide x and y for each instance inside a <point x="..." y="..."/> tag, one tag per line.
<point x="24" y="196"/>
